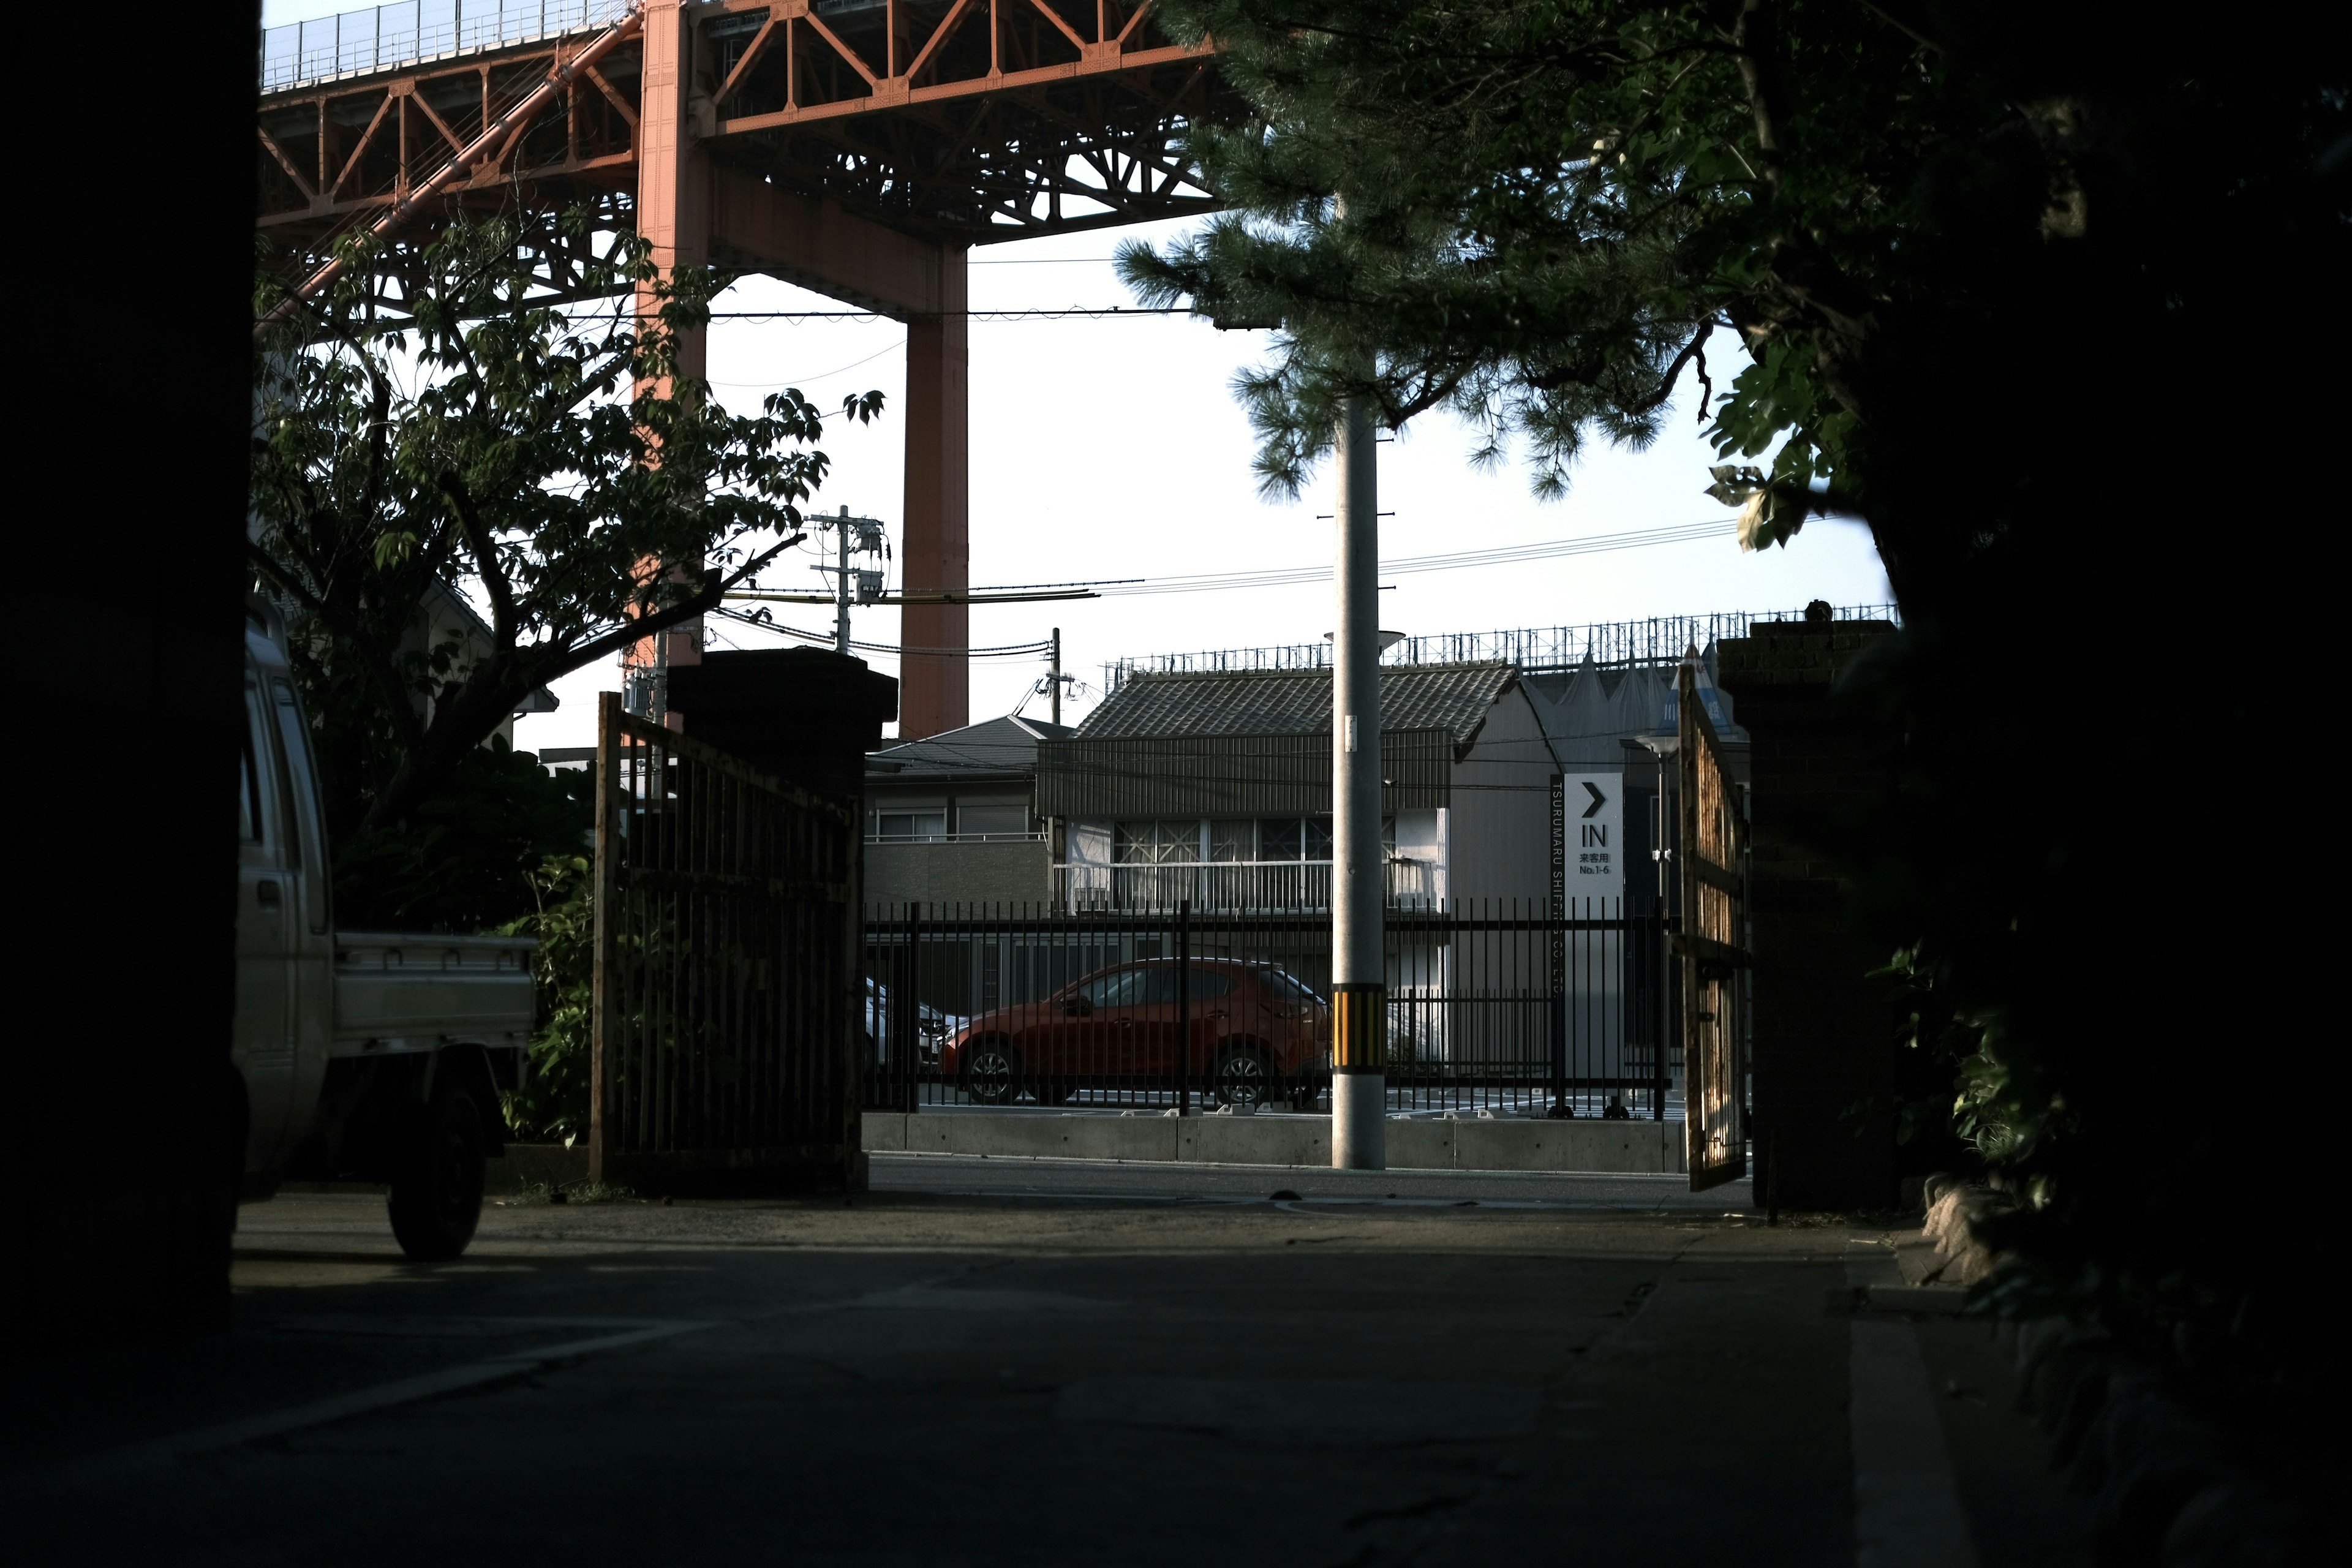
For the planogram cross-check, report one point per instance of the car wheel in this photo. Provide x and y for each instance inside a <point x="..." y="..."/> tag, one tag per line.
<point x="437" y="1188"/>
<point x="992" y="1073"/>
<point x="1243" y="1077"/>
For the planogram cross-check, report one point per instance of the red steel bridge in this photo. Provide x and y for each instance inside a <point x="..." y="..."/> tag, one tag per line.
<point x="858" y="148"/>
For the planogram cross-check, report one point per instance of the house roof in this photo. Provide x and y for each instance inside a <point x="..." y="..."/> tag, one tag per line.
<point x="1006" y="747"/>
<point x="1454" y="697"/>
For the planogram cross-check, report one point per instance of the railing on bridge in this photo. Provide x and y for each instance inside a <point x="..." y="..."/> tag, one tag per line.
<point x="1662" y="640"/>
<point x="385" y="37"/>
<point x="1498" y="1007"/>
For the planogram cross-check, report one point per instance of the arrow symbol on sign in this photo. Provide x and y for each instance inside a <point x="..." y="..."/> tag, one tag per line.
<point x="1598" y="800"/>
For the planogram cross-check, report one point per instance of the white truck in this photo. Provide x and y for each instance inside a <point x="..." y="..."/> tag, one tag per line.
<point x="375" y="1058"/>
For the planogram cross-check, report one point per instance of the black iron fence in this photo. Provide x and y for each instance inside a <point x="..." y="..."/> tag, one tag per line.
<point x="1501" y="1008"/>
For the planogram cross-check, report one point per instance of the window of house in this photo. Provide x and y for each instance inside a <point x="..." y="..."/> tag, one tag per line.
<point x="992" y="817"/>
<point x="1233" y="838"/>
<point x="1306" y="837"/>
<point x="912" y="825"/>
<point x="1157" y="843"/>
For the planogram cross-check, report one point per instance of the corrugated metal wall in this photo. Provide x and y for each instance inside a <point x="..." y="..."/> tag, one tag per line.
<point x="1230" y="776"/>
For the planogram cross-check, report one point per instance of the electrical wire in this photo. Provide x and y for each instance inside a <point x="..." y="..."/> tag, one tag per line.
<point x="1550" y="549"/>
<point x="1007" y="650"/>
<point x="1089" y="312"/>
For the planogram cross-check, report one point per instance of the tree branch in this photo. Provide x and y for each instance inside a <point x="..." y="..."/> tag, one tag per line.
<point x="397" y="697"/>
<point x="486" y="559"/>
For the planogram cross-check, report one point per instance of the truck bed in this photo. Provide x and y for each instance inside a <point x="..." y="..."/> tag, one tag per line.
<point x="411" y="992"/>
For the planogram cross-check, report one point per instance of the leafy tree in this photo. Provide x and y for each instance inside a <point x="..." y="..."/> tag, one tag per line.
<point x="549" y="456"/>
<point x="1542" y="214"/>
<point x="2019" y="286"/>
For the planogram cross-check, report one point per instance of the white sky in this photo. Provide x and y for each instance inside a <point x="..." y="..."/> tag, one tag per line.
<point x="1115" y="448"/>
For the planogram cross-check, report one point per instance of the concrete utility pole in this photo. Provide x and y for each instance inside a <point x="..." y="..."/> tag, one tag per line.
<point x="1054" y="676"/>
<point x="841" y="589"/>
<point x="1359" y="964"/>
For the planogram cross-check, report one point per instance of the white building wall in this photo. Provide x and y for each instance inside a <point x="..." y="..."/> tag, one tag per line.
<point x="1499" y="832"/>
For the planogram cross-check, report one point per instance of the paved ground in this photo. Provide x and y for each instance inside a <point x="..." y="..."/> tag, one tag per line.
<point x="984" y="1364"/>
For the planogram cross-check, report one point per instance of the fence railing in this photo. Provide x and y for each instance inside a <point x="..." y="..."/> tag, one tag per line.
<point x="1661" y="639"/>
<point x="384" y="37"/>
<point x="1496" y="1008"/>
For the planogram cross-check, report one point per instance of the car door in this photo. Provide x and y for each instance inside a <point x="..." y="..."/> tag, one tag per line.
<point x="1089" y="1034"/>
<point x="267" y="914"/>
<point x="1147" y="1024"/>
<point x="310" y="943"/>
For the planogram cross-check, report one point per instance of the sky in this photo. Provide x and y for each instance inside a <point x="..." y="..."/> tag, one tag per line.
<point x="1114" y="448"/>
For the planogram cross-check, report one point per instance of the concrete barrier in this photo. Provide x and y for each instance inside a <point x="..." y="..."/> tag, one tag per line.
<point x="1422" y="1143"/>
<point x="1417" y="1143"/>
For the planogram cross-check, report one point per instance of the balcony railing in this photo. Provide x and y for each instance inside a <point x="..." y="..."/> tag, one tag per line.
<point x="1230" y="887"/>
<point x="954" y="837"/>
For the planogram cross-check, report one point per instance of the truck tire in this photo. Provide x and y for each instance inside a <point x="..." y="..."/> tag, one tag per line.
<point x="437" y="1185"/>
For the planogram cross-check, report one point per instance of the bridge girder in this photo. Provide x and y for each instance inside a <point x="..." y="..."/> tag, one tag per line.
<point x="855" y="147"/>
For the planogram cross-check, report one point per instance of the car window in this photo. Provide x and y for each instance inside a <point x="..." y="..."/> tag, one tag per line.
<point x="1156" y="986"/>
<point x="1287" y="985"/>
<point x="1106" y="990"/>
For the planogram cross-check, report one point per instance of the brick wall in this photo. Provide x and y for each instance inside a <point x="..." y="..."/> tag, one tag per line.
<point x="1823" y="1036"/>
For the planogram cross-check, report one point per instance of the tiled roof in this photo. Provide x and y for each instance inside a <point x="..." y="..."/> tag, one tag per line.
<point x="1006" y="745"/>
<point x="1450" y="697"/>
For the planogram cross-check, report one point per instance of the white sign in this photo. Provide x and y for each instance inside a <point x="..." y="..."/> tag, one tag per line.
<point x="1594" y="806"/>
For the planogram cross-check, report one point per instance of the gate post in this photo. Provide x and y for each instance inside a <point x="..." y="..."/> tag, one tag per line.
<point x="1559" y="945"/>
<point x="1184" y="1008"/>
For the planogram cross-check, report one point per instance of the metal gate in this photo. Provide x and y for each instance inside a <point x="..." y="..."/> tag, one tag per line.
<point x="1712" y="945"/>
<point x="726" y="968"/>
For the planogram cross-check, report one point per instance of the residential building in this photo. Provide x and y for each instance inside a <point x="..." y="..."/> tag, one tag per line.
<point x="1215" y="788"/>
<point x="950" y="823"/>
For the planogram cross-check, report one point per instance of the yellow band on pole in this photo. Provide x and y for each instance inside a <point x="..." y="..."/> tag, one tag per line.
<point x="1359" y="1028"/>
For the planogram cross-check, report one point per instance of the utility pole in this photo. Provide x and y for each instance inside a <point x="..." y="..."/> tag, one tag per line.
<point x="1054" y="676"/>
<point x="841" y="589"/>
<point x="1358" y="960"/>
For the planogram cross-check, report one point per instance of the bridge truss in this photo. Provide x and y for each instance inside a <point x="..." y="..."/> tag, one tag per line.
<point x="856" y="147"/>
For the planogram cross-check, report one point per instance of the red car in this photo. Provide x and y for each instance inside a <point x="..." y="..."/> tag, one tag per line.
<point x="1259" y="1034"/>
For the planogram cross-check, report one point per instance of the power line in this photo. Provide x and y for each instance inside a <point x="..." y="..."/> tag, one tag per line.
<point x="1008" y="650"/>
<point x="1550" y="549"/>
<point x="1086" y="311"/>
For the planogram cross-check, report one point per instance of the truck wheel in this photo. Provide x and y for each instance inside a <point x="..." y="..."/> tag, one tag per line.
<point x="437" y="1188"/>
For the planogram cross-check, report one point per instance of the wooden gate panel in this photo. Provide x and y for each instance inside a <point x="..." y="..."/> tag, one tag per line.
<point x="1712" y="945"/>
<point x="726" y="941"/>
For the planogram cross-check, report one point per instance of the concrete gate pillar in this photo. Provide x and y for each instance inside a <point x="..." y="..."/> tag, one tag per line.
<point x="1823" y="1032"/>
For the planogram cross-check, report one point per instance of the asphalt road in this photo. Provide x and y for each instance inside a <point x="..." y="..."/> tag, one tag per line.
<point x="988" y="1361"/>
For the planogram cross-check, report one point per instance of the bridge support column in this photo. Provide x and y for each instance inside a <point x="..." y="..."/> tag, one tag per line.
<point x="756" y="227"/>
<point x="673" y="218"/>
<point x="935" y="689"/>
